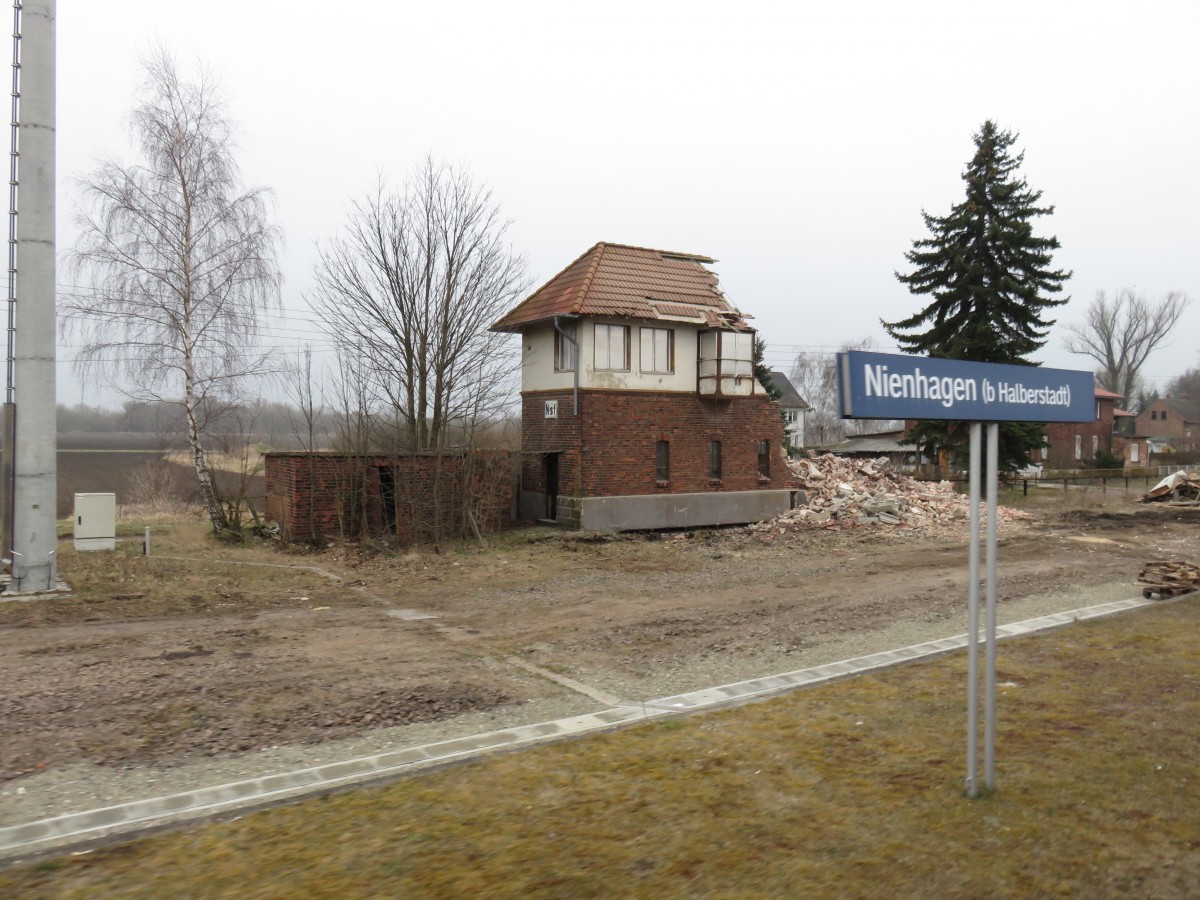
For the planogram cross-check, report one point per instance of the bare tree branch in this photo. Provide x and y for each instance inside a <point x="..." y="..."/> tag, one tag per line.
<point x="181" y="262"/>
<point x="410" y="287"/>
<point x="1120" y="334"/>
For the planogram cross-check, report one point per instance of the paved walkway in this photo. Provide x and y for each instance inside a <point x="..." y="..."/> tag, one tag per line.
<point x="65" y="832"/>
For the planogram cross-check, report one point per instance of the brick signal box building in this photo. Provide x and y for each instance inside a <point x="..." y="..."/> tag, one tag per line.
<point x="640" y="408"/>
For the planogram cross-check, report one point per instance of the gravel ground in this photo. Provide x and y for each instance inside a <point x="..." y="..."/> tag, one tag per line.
<point x="80" y="787"/>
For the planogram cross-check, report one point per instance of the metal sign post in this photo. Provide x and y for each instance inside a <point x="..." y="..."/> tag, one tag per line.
<point x="973" y="618"/>
<point x="989" y="675"/>
<point x="892" y="386"/>
<point x="989" y="642"/>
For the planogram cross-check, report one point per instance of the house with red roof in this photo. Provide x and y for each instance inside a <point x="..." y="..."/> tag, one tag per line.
<point x="639" y="404"/>
<point x="1171" y="422"/>
<point x="1168" y="428"/>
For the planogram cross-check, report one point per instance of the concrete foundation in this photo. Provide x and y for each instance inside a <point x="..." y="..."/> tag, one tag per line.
<point x="650" y="512"/>
<point x="653" y="511"/>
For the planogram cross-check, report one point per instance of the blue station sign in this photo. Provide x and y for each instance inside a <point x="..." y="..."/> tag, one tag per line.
<point x="894" y="386"/>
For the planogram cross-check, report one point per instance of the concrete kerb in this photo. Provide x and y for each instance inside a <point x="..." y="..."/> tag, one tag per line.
<point x="61" y="833"/>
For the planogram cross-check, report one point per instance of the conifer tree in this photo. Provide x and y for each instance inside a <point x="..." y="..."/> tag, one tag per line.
<point x="990" y="281"/>
<point x="762" y="371"/>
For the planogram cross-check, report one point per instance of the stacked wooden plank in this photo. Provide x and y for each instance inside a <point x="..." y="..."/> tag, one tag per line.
<point x="1169" y="578"/>
<point x="1178" y="486"/>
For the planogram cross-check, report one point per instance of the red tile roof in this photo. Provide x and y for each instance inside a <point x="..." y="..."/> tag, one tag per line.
<point x="1101" y="392"/>
<point x="629" y="282"/>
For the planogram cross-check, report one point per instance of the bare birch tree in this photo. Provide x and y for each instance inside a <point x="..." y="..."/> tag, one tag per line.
<point x="1120" y="334"/>
<point x="814" y="375"/>
<point x="180" y="261"/>
<point x="410" y="287"/>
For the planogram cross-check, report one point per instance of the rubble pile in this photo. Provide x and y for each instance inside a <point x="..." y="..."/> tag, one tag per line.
<point x="849" y="493"/>
<point x="1183" y="486"/>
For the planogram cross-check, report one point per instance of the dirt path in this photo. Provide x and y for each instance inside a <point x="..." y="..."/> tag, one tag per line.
<point x="160" y="663"/>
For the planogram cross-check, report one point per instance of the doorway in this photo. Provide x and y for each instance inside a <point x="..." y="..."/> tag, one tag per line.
<point x="551" y="463"/>
<point x="387" y="496"/>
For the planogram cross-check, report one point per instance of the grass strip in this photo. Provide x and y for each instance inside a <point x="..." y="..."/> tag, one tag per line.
<point x="851" y="789"/>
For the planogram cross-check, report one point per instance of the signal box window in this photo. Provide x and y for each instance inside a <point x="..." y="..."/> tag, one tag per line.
<point x="714" y="460"/>
<point x="564" y="350"/>
<point x="662" y="461"/>
<point x="764" y="459"/>
<point x="612" y="348"/>
<point x="658" y="350"/>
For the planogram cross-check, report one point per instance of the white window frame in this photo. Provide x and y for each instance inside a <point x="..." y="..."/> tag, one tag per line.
<point x="656" y="365"/>
<point x="566" y="353"/>
<point x="603" y="351"/>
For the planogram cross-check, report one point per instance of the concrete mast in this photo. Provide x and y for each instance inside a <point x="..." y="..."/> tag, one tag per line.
<point x="35" y="463"/>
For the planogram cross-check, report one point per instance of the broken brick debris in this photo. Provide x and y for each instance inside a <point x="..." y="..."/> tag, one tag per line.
<point x="850" y="493"/>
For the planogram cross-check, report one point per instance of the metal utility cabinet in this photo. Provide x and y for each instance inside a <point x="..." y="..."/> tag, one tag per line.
<point x="95" y="521"/>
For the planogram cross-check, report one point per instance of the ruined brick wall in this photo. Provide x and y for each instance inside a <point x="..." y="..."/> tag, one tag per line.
<point x="610" y="448"/>
<point x="314" y="495"/>
<point x="413" y="497"/>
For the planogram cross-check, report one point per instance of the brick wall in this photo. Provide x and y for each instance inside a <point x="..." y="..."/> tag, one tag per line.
<point x="540" y="435"/>
<point x="415" y="497"/>
<point x="1062" y="435"/>
<point x="609" y="449"/>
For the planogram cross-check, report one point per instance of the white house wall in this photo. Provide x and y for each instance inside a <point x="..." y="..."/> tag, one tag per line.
<point x="537" y="360"/>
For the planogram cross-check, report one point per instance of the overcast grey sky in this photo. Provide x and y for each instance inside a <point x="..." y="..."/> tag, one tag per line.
<point x="796" y="143"/>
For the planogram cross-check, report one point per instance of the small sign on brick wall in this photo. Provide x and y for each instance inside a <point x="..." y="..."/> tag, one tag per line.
<point x="551" y="409"/>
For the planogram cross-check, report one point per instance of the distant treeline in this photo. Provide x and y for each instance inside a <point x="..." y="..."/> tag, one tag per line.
<point x="161" y="417"/>
<point x="159" y="425"/>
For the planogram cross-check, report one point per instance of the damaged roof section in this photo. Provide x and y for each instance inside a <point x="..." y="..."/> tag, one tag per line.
<point x="630" y="282"/>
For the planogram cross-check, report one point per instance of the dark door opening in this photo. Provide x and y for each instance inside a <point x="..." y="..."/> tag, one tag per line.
<point x="387" y="491"/>
<point x="552" y="486"/>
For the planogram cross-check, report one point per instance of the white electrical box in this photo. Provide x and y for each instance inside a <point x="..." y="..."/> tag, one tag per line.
<point x="95" y="521"/>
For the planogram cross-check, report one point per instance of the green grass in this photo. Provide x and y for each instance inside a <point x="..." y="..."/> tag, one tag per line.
<point x="851" y="789"/>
